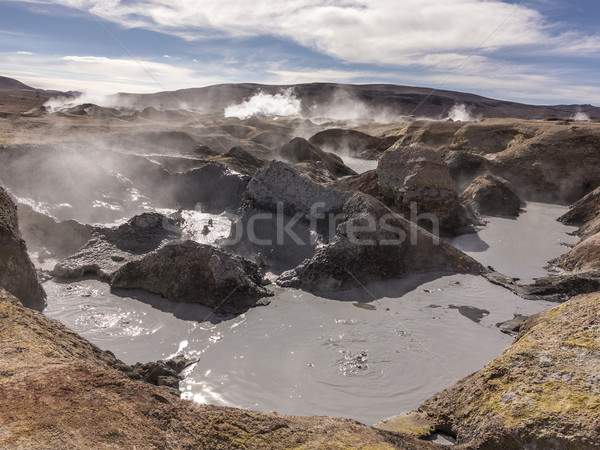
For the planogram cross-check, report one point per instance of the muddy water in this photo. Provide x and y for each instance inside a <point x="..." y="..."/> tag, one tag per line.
<point x="368" y="354"/>
<point x="521" y="247"/>
<point x="305" y="354"/>
<point x="359" y="165"/>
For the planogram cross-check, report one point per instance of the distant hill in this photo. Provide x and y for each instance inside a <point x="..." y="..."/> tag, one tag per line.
<point x="10" y="84"/>
<point x="401" y="100"/>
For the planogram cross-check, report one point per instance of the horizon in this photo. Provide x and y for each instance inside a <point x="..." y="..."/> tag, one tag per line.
<point x="540" y="52"/>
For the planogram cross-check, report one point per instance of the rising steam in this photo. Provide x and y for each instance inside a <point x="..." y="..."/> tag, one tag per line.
<point x="461" y="113"/>
<point x="581" y="117"/>
<point x="263" y="104"/>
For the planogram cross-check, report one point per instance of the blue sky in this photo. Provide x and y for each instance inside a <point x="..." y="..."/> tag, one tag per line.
<point x="536" y="51"/>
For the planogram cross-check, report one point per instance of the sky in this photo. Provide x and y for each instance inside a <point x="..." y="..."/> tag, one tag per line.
<point x="533" y="51"/>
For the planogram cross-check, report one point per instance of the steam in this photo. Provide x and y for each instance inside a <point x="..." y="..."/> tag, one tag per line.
<point x="344" y="106"/>
<point x="56" y="104"/>
<point x="263" y="104"/>
<point x="461" y="113"/>
<point x="581" y="117"/>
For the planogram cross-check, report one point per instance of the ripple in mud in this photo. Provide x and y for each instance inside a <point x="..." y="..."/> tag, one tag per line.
<point x="353" y="363"/>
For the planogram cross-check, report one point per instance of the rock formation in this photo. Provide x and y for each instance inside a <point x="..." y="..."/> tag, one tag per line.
<point x="195" y="273"/>
<point x="328" y="244"/>
<point x="491" y="196"/>
<point x="299" y="150"/>
<point x="416" y="179"/>
<point x="17" y="273"/>
<point x="585" y="256"/>
<point x="279" y="196"/>
<point x="59" y="239"/>
<point x="111" y="248"/>
<point x="370" y="244"/>
<point x="351" y="142"/>
<point x="542" y="392"/>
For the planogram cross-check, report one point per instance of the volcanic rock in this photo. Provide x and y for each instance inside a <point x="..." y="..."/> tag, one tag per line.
<point x="17" y="273"/>
<point x="299" y="150"/>
<point x="414" y="180"/>
<point x="111" y="248"/>
<point x="491" y="196"/>
<point x="542" y="392"/>
<point x="371" y="243"/>
<point x="352" y="142"/>
<point x="279" y="196"/>
<point x="60" y="239"/>
<point x="189" y="272"/>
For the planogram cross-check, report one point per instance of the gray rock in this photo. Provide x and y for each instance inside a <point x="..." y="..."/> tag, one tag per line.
<point x="491" y="195"/>
<point x="60" y="239"/>
<point x="513" y="326"/>
<point x="299" y="150"/>
<point x="189" y="272"/>
<point x="111" y="248"/>
<point x="414" y="179"/>
<point x="17" y="273"/>
<point x="278" y="194"/>
<point x="391" y="247"/>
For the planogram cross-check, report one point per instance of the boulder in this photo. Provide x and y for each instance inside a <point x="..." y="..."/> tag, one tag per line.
<point x="17" y="273"/>
<point x="542" y="392"/>
<point x="585" y="213"/>
<point x="58" y="238"/>
<point x="371" y="243"/>
<point x="299" y="150"/>
<point x="214" y="187"/>
<point x="585" y="256"/>
<point x="278" y="196"/>
<point x="464" y="167"/>
<point x="165" y="373"/>
<point x="240" y="160"/>
<point x="349" y="142"/>
<point x="492" y="196"/>
<point x="366" y="182"/>
<point x="189" y="272"/>
<point x="415" y="179"/>
<point x="111" y="248"/>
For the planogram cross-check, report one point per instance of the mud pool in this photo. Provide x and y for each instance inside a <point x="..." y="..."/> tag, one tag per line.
<point x="367" y="353"/>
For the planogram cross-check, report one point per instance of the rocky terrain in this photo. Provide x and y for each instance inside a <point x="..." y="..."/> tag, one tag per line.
<point x="110" y="193"/>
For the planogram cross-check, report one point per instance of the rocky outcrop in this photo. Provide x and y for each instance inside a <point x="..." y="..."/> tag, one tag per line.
<point x="585" y="213"/>
<point x="213" y="187"/>
<point x="542" y="392"/>
<point x="350" y="142"/>
<point x="280" y="198"/>
<point x="542" y="160"/>
<point x="166" y="373"/>
<point x="492" y="196"/>
<point x="336" y="239"/>
<point x="366" y="182"/>
<point x="240" y="160"/>
<point x="415" y="180"/>
<point x="195" y="273"/>
<point x="370" y="244"/>
<point x="111" y="248"/>
<point x="58" y="239"/>
<point x="585" y="256"/>
<point x="17" y="273"/>
<point x="60" y="391"/>
<point x="299" y="150"/>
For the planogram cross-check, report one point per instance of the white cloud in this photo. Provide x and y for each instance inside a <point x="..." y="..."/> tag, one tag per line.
<point x="24" y="53"/>
<point x="101" y="75"/>
<point x="360" y="31"/>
